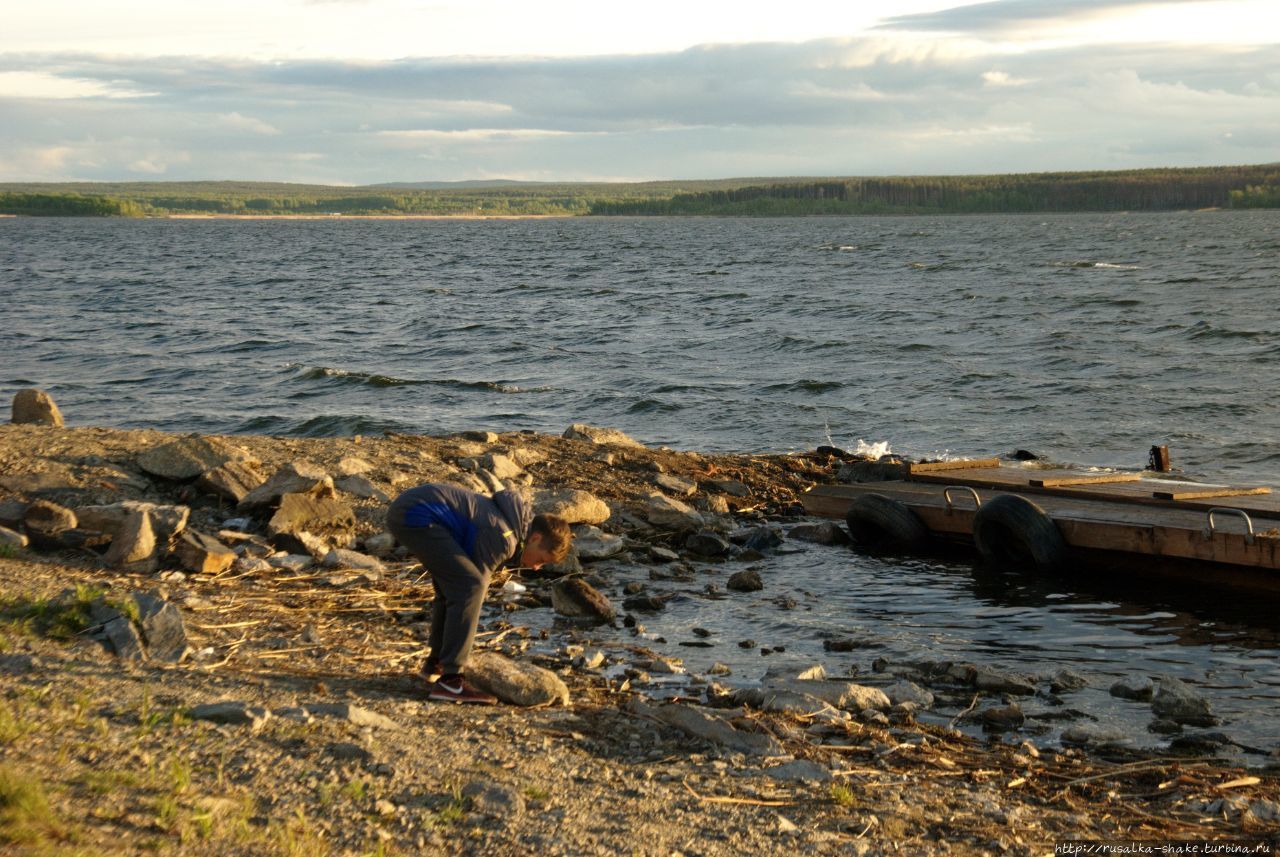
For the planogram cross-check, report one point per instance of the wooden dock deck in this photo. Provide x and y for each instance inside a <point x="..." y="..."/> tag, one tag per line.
<point x="1113" y="514"/>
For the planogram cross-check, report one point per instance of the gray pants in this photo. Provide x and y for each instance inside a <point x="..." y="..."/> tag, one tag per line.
<point x="460" y="590"/>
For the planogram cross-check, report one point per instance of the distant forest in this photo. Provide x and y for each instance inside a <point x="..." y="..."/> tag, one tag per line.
<point x="1127" y="190"/>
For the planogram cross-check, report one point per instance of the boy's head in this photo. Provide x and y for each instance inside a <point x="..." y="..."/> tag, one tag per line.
<point x="548" y="541"/>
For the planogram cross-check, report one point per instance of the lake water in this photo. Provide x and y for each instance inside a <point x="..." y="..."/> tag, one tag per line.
<point x="1086" y="338"/>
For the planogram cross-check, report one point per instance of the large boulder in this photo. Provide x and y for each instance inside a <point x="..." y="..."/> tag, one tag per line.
<point x="35" y="407"/>
<point x="232" y="480"/>
<point x="134" y="547"/>
<point x="576" y="507"/>
<point x="187" y="457"/>
<point x="595" y="434"/>
<point x="166" y="521"/>
<point x="296" y="477"/>
<point x="515" y="682"/>
<point x="1178" y="702"/>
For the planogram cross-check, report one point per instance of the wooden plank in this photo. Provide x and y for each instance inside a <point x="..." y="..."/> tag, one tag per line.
<point x="1210" y="492"/>
<point x="1097" y="479"/>
<point x="960" y="464"/>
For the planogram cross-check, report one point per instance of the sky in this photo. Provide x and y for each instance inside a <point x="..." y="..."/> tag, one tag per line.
<point x="351" y="92"/>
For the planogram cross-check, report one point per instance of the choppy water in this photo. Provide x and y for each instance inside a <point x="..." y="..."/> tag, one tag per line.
<point x="1086" y="338"/>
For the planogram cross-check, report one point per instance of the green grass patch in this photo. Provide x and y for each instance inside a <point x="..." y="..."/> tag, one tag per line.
<point x="8" y="550"/>
<point x="63" y="619"/>
<point x="25" y="815"/>
<point x="536" y="793"/>
<point x="843" y="796"/>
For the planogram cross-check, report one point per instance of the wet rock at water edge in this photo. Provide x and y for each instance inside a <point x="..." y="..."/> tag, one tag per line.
<point x="999" y="681"/>
<point x="1090" y="735"/>
<point x="824" y="533"/>
<point x="596" y="434"/>
<point x="575" y="598"/>
<point x="35" y="407"/>
<point x="592" y="543"/>
<point x="646" y="603"/>
<point x="1137" y="688"/>
<point x="1177" y="701"/>
<point x="907" y="691"/>
<point x="747" y="580"/>
<point x="707" y="544"/>
<point x="515" y="682"/>
<point x="760" y="539"/>
<point x="1067" y="679"/>
<point x="1002" y="717"/>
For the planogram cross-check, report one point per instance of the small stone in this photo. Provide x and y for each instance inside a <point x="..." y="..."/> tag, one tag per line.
<point x="232" y="712"/>
<point x="575" y="506"/>
<point x="11" y="539"/>
<point x="297" y="477"/>
<point x="800" y="770"/>
<point x="384" y="808"/>
<point x="592" y="543"/>
<point x="347" y="752"/>
<point x="36" y="407"/>
<point x="746" y="644"/>
<point x="343" y="558"/>
<point x="907" y="691"/>
<point x="732" y="487"/>
<point x="762" y="539"/>
<point x="745" y="581"/>
<point x="18" y="664"/>
<point x="162" y="628"/>
<point x="1065" y="679"/>
<point x="353" y="714"/>
<point x="997" y="681"/>
<point x="646" y="603"/>
<point x="203" y="554"/>
<point x="660" y="554"/>
<point x="351" y="466"/>
<point x="1163" y="726"/>
<point x="486" y="437"/>
<point x="719" y="669"/>
<point x="669" y="514"/>
<point x="1088" y="735"/>
<point x="494" y="800"/>
<point x="359" y="486"/>
<point x="1002" y="717"/>
<point x="675" y="484"/>
<point x="1179" y="702"/>
<point x="786" y="825"/>
<point x="380" y="545"/>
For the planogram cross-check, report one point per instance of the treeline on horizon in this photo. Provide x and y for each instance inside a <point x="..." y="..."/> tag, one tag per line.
<point x="1128" y="190"/>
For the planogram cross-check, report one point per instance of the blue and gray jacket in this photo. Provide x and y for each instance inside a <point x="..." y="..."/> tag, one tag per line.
<point x="490" y="530"/>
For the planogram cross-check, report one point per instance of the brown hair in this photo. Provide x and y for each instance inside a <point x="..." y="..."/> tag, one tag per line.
<point x="556" y="535"/>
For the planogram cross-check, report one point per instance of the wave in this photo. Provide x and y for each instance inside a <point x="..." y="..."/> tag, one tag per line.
<point x="327" y="425"/>
<point x="806" y="386"/>
<point x="654" y="406"/>
<point x="1205" y="330"/>
<point x="1084" y="263"/>
<point x="371" y="379"/>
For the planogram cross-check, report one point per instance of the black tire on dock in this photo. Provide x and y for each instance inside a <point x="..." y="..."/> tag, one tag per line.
<point x="1012" y="532"/>
<point x="880" y="523"/>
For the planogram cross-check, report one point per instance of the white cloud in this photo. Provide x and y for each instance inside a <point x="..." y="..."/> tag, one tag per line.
<point x="1003" y="78"/>
<point x="42" y="84"/>
<point x="237" y="122"/>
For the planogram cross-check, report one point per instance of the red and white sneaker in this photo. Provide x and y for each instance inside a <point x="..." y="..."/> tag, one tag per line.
<point x="453" y="688"/>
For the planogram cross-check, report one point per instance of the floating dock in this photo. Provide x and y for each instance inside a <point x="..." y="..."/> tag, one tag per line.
<point x="1108" y="518"/>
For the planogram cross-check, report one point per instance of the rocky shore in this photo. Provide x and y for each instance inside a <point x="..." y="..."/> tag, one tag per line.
<point x="208" y="646"/>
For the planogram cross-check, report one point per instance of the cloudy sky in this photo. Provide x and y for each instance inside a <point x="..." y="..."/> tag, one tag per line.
<point x="365" y="91"/>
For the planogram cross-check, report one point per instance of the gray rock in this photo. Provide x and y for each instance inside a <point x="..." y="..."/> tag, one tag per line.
<point x="35" y="407"/>
<point x="203" y="554"/>
<point x="761" y="539"/>
<point x="232" y="712"/>
<point x="592" y="543"/>
<point x="999" y="681"/>
<point x="353" y="714"/>
<point x="574" y="597"/>
<point x="747" y="580"/>
<point x="166" y="521"/>
<point x="841" y="694"/>
<point x="823" y="533"/>
<point x="1090" y="735"/>
<point x="124" y="639"/>
<point x="320" y="516"/>
<point x="1162" y="726"/>
<point x="732" y="487"/>
<point x="708" y="544"/>
<point x="1002" y="717"/>
<point x="187" y="457"/>
<point x="11" y="539"/>
<point x="1178" y="702"/>
<point x="231" y="480"/>
<point x="675" y="484"/>
<point x="486" y="437"/>
<point x="668" y="514"/>
<point x="162" y="628"/>
<point x="871" y="471"/>
<point x="595" y="434"/>
<point x="800" y="770"/>
<point x="576" y="507"/>
<point x="501" y="466"/>
<point x="780" y="701"/>
<point x="908" y="691"/>
<point x="1138" y="688"/>
<point x="297" y="477"/>
<point x="660" y="554"/>
<point x="515" y="682"/>
<point x="359" y="486"/>
<point x="494" y="800"/>
<point x="343" y="558"/>
<point x="1066" y="679"/>
<point x="352" y="466"/>
<point x="134" y="547"/>
<point x="44" y="521"/>
<point x="380" y="545"/>
<point x="707" y="726"/>
<point x="11" y="513"/>
<point x="301" y="542"/>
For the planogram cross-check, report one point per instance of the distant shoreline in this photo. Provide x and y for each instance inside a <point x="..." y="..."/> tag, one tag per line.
<point x="367" y="216"/>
